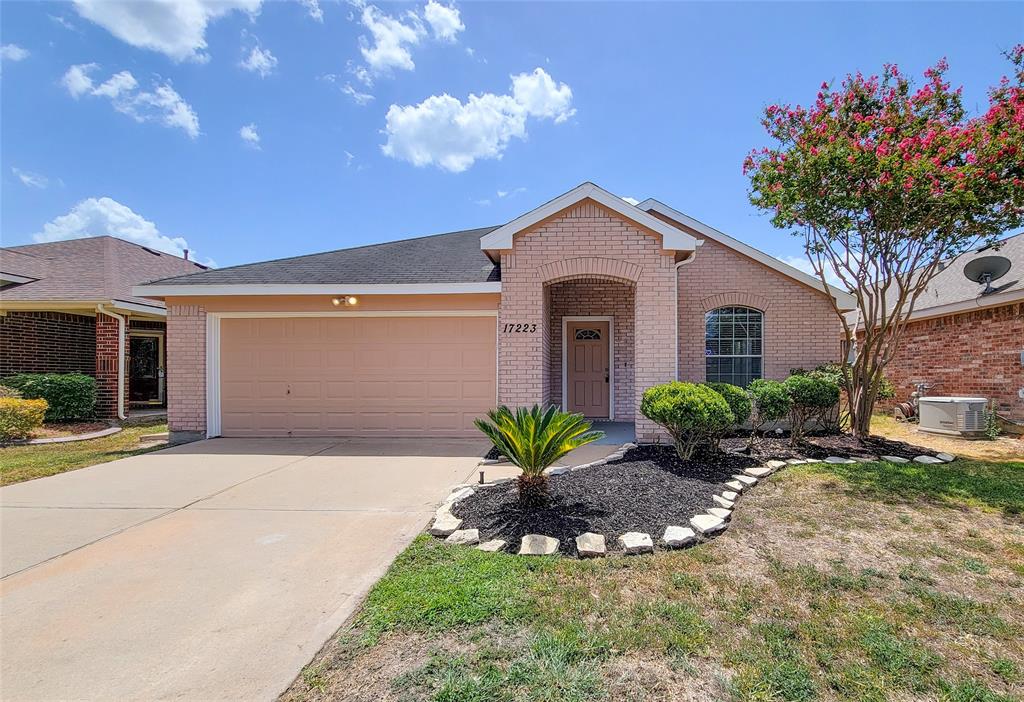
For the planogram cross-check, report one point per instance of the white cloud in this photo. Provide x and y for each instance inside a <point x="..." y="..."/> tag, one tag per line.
<point x="444" y="20"/>
<point x="13" y="52"/>
<point x="313" y="8"/>
<point x="449" y="134"/>
<point x="349" y="158"/>
<point x="176" y="28"/>
<point x="64" y="22"/>
<point x="29" y="179"/>
<point x="542" y="97"/>
<point x="510" y="193"/>
<point x="632" y="200"/>
<point x="482" y="203"/>
<point x="162" y="105"/>
<point x="357" y="97"/>
<point x="250" y="135"/>
<point x="259" y="61"/>
<point x="803" y="264"/>
<point x="106" y="217"/>
<point x="392" y="37"/>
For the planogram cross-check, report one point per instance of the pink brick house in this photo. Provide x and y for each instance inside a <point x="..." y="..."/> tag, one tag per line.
<point x="583" y="302"/>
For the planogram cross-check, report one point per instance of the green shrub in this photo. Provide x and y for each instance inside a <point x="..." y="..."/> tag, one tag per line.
<point x="9" y="392"/>
<point x="19" y="417"/>
<point x="70" y="396"/>
<point x="812" y="396"/>
<point x="738" y="401"/>
<point x="770" y="402"/>
<point x="534" y="438"/>
<point x="692" y="414"/>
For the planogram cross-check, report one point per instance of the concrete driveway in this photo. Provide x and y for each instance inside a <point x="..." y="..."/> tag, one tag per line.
<point x="214" y="570"/>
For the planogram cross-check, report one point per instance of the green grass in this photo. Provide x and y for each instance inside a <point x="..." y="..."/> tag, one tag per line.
<point x="991" y="486"/>
<point x="19" y="463"/>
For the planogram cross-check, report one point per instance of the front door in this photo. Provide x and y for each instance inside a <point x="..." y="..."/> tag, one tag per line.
<point x="145" y="370"/>
<point x="587" y="386"/>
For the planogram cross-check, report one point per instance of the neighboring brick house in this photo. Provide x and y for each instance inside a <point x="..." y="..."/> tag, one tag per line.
<point x="584" y="302"/>
<point x="964" y="342"/>
<point x="67" y="307"/>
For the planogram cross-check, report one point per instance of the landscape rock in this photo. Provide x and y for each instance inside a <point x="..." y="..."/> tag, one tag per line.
<point x="722" y="502"/>
<point x="636" y="542"/>
<point x="591" y="545"/>
<point x="945" y="457"/>
<point x="720" y="512"/>
<point x="677" y="537"/>
<point x="775" y="465"/>
<point x="492" y="545"/>
<point x="837" y="459"/>
<point x="599" y="462"/>
<point x="758" y="471"/>
<point x="745" y="479"/>
<point x="735" y="485"/>
<point x="928" y="460"/>
<point x="488" y="461"/>
<point x="863" y="459"/>
<point x="459" y="495"/>
<point x="707" y="524"/>
<point x="895" y="459"/>
<point x="791" y="461"/>
<point x="444" y="524"/>
<point x="556" y="470"/>
<point x="538" y="545"/>
<point x="466" y="537"/>
<point x="730" y="495"/>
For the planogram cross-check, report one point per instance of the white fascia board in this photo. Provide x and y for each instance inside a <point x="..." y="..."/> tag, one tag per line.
<point x="139" y="307"/>
<point x="6" y="278"/>
<point x="673" y="239"/>
<point x="199" y="290"/>
<point x="845" y="300"/>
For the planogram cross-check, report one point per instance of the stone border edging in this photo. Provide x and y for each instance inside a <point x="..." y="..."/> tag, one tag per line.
<point x="76" y="437"/>
<point x="711" y="522"/>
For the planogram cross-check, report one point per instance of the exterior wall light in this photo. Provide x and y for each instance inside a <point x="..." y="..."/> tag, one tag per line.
<point x="348" y="301"/>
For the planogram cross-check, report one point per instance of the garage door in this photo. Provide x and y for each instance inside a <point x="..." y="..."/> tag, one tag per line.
<point x="356" y="376"/>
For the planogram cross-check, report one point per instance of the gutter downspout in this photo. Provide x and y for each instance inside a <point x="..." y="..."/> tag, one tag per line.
<point x="122" y="324"/>
<point x="679" y="265"/>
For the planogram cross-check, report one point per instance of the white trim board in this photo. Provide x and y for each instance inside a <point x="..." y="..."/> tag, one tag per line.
<point x="611" y="359"/>
<point x="336" y="290"/>
<point x="673" y="239"/>
<point x="845" y="300"/>
<point x="213" y="336"/>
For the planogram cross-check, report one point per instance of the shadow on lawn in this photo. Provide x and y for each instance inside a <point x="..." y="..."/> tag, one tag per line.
<point x="998" y="486"/>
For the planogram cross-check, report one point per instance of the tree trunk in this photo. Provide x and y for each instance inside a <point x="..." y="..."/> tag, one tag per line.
<point x="533" y="490"/>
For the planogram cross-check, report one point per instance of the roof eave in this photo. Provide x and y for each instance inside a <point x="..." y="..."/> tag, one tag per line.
<point x="221" y="290"/>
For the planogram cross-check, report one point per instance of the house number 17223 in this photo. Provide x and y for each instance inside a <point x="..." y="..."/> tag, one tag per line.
<point x="519" y="328"/>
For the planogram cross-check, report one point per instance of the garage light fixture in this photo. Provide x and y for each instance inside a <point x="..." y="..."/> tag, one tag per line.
<point x="348" y="301"/>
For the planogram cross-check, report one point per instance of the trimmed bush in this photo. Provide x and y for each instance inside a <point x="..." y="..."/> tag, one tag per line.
<point x="692" y="414"/>
<point x="70" y="396"/>
<point x="19" y="417"/>
<point x="738" y="401"/>
<point x="812" y="396"/>
<point x="770" y="403"/>
<point x="9" y="392"/>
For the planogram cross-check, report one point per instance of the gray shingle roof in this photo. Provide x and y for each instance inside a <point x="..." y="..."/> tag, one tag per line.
<point x="454" y="257"/>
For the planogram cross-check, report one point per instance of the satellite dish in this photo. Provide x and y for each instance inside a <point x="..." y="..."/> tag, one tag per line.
<point x="986" y="269"/>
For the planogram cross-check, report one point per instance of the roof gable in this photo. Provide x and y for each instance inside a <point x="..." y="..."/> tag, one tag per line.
<point x="673" y="239"/>
<point x="844" y="299"/>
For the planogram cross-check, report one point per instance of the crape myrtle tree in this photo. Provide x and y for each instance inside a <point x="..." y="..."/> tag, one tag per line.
<point x="888" y="182"/>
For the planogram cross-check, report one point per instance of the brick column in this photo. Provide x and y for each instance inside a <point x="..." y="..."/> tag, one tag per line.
<point x="107" y="347"/>
<point x="186" y="371"/>
<point x="655" y="331"/>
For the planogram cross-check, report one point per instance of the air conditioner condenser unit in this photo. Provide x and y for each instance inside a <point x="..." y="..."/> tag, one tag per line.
<point x="952" y="415"/>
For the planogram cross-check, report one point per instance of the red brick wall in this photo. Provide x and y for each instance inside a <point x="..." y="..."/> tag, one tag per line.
<point x="186" y="367"/>
<point x="106" y="366"/>
<point x="600" y="298"/>
<point x="800" y="328"/>
<point x="974" y="353"/>
<point x="47" y="342"/>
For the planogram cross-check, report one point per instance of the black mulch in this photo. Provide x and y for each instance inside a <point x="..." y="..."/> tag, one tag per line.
<point x="823" y="446"/>
<point x="648" y="490"/>
<point x="494" y="454"/>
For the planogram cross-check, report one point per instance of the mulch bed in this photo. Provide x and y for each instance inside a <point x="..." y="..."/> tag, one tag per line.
<point x="648" y="490"/>
<point x="820" y="445"/>
<point x="52" y="430"/>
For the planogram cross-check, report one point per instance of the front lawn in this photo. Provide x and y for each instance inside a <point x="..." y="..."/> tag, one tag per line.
<point x="835" y="582"/>
<point x="18" y="463"/>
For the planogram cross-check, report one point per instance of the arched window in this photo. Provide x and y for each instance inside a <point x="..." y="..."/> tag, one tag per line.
<point x="733" y="343"/>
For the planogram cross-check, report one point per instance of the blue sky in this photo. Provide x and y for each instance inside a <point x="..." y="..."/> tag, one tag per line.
<point x="144" y="138"/>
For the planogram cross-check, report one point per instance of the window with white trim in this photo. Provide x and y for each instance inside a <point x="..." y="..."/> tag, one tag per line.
<point x="733" y="345"/>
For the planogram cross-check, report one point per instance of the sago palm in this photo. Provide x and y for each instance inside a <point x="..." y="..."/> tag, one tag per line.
<point x="534" y="438"/>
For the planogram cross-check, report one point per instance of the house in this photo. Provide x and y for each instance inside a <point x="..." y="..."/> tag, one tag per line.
<point x="584" y="302"/>
<point x="965" y="341"/>
<point x="67" y="307"/>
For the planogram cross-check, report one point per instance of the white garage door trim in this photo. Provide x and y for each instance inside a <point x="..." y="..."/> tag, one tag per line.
<point x="213" y="328"/>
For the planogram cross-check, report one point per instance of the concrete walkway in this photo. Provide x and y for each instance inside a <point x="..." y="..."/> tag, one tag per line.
<point x="214" y="570"/>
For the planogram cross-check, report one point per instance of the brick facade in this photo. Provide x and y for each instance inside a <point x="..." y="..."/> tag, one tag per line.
<point x="800" y="328"/>
<point x="47" y="342"/>
<point x="974" y="354"/>
<point x="586" y="297"/>
<point x="106" y="366"/>
<point x="186" y="368"/>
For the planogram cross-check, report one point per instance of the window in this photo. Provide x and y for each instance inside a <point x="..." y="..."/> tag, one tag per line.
<point x="733" y="345"/>
<point x="588" y="335"/>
